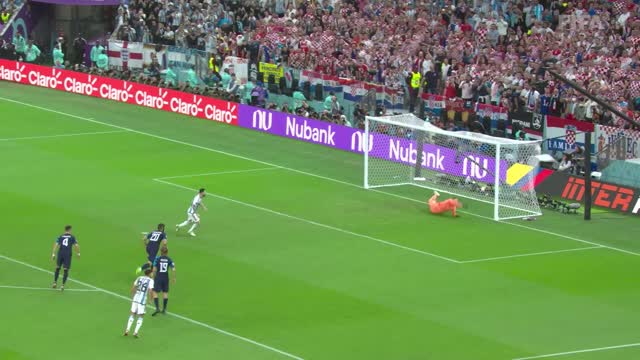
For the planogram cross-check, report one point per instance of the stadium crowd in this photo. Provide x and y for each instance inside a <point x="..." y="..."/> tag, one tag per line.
<point x="485" y="50"/>
<point x="7" y="9"/>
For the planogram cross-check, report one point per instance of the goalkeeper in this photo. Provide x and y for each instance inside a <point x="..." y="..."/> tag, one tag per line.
<point x="443" y="206"/>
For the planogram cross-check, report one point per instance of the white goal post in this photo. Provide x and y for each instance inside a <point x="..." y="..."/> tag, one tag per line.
<point x="497" y="173"/>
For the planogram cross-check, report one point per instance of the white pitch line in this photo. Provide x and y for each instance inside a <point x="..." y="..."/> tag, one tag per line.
<point x="579" y="351"/>
<point x="312" y="222"/>
<point x="301" y="172"/>
<point x="518" y="225"/>
<point x="195" y="322"/>
<point x="530" y="254"/>
<point x="43" y="288"/>
<point x="63" y="135"/>
<point x="220" y="173"/>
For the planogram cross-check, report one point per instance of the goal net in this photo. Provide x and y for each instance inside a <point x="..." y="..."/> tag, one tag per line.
<point x="497" y="173"/>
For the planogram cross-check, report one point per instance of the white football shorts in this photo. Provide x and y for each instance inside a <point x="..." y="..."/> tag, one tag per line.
<point x="193" y="217"/>
<point x="137" y="308"/>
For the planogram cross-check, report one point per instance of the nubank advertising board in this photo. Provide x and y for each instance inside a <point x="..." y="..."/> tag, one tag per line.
<point x="402" y="150"/>
<point x="396" y="149"/>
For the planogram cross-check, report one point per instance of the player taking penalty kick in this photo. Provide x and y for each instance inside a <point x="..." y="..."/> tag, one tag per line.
<point x="439" y="207"/>
<point x="192" y="213"/>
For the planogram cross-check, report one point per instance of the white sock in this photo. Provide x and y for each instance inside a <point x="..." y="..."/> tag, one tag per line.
<point x="138" y="325"/>
<point x="129" y="323"/>
<point x="185" y="223"/>
<point x="193" y="227"/>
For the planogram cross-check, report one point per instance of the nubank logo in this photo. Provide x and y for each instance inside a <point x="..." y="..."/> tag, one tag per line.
<point x="309" y="133"/>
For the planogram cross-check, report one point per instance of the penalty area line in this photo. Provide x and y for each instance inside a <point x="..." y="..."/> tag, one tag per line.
<point x="530" y="254"/>
<point x="63" y="135"/>
<point x="346" y="183"/>
<point x="45" y="289"/>
<point x="579" y="351"/>
<point x="311" y="222"/>
<point x="189" y="320"/>
<point x="221" y="173"/>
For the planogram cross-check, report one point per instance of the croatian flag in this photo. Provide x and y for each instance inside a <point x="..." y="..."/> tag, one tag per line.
<point x="393" y="99"/>
<point x="353" y="90"/>
<point x="434" y="103"/>
<point x="331" y="83"/>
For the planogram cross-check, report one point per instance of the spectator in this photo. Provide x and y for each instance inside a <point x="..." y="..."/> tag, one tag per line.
<point x="170" y="77"/>
<point x="192" y="78"/>
<point x="58" y="56"/>
<point x="96" y="51"/>
<point x="5" y="15"/>
<point x="225" y="78"/>
<point x="102" y="61"/>
<point x="565" y="164"/>
<point x="19" y="43"/>
<point x="32" y="52"/>
<point x="232" y="86"/>
<point x="79" y="46"/>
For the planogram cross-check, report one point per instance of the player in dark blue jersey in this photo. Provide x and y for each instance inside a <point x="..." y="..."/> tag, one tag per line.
<point x="152" y="242"/>
<point x="161" y="266"/>
<point x="62" y="248"/>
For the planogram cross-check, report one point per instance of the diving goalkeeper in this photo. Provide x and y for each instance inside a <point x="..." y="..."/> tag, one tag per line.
<point x="443" y="206"/>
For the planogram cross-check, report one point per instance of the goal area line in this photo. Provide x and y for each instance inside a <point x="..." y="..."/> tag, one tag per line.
<point x="531" y="213"/>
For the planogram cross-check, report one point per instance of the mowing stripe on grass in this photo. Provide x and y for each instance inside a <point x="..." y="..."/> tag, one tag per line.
<point x="300" y="172"/>
<point x="579" y="351"/>
<point x="63" y="135"/>
<point x="312" y="222"/>
<point x="43" y="288"/>
<point x="521" y="226"/>
<point x="220" y="173"/>
<point x="195" y="322"/>
<point x="529" y="254"/>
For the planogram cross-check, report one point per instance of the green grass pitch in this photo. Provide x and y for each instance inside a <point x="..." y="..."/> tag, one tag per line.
<point x="294" y="260"/>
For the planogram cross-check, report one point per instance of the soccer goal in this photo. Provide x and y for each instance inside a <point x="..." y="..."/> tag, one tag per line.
<point x="496" y="173"/>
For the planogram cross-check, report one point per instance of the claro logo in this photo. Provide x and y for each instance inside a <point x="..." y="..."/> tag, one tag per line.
<point x="16" y="74"/>
<point x="107" y="91"/>
<point x="213" y="112"/>
<point x="153" y="101"/>
<point x="81" y="87"/>
<point x="49" y="81"/>
<point x="603" y="195"/>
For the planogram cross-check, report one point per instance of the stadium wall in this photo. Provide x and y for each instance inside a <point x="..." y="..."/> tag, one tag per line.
<point x="605" y="195"/>
<point x="323" y="133"/>
<point x="258" y="119"/>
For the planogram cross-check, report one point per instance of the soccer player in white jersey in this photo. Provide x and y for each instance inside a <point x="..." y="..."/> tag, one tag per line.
<point x="192" y="213"/>
<point x="141" y="289"/>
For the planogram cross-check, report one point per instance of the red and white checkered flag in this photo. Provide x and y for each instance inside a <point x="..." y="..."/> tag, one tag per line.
<point x="570" y="135"/>
<point x="618" y="6"/>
